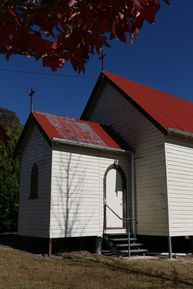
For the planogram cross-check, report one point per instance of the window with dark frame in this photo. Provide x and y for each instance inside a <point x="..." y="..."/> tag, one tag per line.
<point x="34" y="182"/>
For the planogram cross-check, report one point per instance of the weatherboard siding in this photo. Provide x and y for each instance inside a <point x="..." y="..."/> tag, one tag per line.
<point x="77" y="191"/>
<point x="111" y="108"/>
<point x="179" y="165"/>
<point x="34" y="214"/>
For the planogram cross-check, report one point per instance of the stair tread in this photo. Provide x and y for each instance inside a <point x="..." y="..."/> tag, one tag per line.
<point x="123" y="235"/>
<point x="134" y="251"/>
<point x="122" y="239"/>
<point x="116" y="234"/>
<point x="131" y="245"/>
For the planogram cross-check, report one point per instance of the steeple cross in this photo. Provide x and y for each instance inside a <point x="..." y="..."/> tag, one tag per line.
<point x="102" y="60"/>
<point x="31" y="99"/>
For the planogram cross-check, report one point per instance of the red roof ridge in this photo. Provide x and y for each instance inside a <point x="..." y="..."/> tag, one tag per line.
<point x="34" y="112"/>
<point x="162" y="109"/>
<point x="110" y="75"/>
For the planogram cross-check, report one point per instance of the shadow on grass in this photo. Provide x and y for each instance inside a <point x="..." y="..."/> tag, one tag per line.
<point x="27" y="244"/>
<point x="41" y="245"/>
<point x="115" y="265"/>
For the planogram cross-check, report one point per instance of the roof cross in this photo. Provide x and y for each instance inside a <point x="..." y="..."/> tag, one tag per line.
<point x="31" y="99"/>
<point x="102" y="60"/>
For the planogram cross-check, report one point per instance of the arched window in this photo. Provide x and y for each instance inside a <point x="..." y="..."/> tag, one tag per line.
<point x="34" y="182"/>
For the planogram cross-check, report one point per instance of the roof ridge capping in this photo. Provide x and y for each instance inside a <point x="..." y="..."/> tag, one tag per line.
<point x="36" y="112"/>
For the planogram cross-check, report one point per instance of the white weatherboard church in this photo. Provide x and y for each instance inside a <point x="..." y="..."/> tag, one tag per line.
<point x="128" y="160"/>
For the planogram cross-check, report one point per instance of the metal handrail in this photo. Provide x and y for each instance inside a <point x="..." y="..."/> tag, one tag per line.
<point x="123" y="219"/>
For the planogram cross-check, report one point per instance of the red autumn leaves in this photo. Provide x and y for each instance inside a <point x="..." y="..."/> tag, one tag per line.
<point x="69" y="30"/>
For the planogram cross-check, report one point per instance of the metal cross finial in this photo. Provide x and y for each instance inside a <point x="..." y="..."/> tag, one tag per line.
<point x="31" y="99"/>
<point x="102" y="60"/>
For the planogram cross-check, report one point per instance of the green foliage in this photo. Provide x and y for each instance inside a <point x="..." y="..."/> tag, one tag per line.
<point x="8" y="118"/>
<point x="9" y="176"/>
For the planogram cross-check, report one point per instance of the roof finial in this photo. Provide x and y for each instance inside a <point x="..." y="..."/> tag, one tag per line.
<point x="31" y="99"/>
<point x="102" y="59"/>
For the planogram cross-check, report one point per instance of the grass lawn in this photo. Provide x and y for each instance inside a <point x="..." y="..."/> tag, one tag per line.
<point x="21" y="270"/>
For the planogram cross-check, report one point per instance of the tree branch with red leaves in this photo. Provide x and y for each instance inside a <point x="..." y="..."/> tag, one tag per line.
<point x="70" y="30"/>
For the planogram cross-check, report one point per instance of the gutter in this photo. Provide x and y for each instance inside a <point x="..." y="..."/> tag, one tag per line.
<point x="91" y="146"/>
<point x="178" y="132"/>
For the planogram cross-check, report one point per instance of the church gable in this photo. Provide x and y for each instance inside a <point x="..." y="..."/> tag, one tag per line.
<point x="172" y="115"/>
<point x="110" y="107"/>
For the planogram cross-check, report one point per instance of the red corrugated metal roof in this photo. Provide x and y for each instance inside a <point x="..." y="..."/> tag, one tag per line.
<point x="168" y="111"/>
<point x="70" y="129"/>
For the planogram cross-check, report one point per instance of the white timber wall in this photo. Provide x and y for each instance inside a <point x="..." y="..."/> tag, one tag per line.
<point x="179" y="165"/>
<point x="34" y="215"/>
<point x="111" y="108"/>
<point x="77" y="190"/>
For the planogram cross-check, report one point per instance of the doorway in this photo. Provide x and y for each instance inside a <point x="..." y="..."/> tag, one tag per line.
<point x="115" y="196"/>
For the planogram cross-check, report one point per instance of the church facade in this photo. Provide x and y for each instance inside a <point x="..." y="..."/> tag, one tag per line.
<point x="127" y="164"/>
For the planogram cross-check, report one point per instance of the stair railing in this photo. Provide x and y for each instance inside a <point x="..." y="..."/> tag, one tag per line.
<point x="128" y="224"/>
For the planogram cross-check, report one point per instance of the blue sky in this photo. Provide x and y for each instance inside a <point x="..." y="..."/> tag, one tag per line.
<point x="161" y="57"/>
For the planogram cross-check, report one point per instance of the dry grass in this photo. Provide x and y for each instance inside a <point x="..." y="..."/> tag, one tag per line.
<point x="20" y="270"/>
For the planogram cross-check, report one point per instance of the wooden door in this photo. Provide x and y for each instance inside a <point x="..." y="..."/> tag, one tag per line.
<point x="115" y="198"/>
